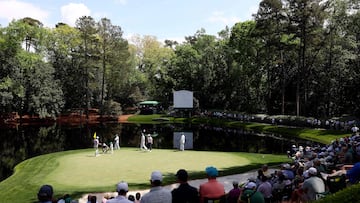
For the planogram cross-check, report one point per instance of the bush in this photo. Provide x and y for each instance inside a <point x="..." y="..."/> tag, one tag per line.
<point x="348" y="195"/>
<point x="112" y="108"/>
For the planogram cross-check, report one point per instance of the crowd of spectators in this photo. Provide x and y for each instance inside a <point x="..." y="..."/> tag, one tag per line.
<point x="344" y="124"/>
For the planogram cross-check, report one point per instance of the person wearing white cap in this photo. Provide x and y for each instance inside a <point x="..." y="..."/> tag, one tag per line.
<point x="96" y="145"/>
<point x="157" y="193"/>
<point x="312" y="185"/>
<point x="250" y="195"/>
<point x="122" y="188"/>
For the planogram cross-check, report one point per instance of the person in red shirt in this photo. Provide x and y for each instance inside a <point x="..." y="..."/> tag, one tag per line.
<point x="212" y="188"/>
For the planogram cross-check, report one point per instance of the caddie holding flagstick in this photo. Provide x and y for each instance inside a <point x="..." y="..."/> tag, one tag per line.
<point x="96" y="144"/>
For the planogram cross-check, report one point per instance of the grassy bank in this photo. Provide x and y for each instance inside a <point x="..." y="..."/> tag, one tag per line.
<point x="79" y="172"/>
<point x="317" y="135"/>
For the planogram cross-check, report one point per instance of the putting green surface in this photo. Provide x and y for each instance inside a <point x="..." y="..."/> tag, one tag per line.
<point x="79" y="171"/>
<point x="133" y="165"/>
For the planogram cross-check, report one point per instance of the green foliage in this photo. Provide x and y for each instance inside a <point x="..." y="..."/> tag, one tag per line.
<point x="111" y="108"/>
<point x="348" y="195"/>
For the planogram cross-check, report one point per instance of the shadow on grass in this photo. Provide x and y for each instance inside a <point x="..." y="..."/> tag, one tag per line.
<point x="193" y="175"/>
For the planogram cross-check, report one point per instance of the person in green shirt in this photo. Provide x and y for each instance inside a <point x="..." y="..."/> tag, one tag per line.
<point x="250" y="195"/>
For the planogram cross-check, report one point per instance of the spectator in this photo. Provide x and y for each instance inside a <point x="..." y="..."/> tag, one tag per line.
<point x="234" y="193"/>
<point x="265" y="170"/>
<point x="354" y="173"/>
<point x="279" y="186"/>
<point x="45" y="194"/>
<point x="313" y="185"/>
<point x="250" y="195"/>
<point x="65" y="199"/>
<point x="137" y="197"/>
<point x="131" y="198"/>
<point x="259" y="177"/>
<point x="157" y="193"/>
<point x="212" y="188"/>
<point x="185" y="193"/>
<point x="265" y="188"/>
<point x="122" y="188"/>
<point x="287" y="171"/>
<point x="92" y="199"/>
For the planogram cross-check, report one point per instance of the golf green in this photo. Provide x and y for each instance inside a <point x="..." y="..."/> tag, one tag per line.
<point x="79" y="171"/>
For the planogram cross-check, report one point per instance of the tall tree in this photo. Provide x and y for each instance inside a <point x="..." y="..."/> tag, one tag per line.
<point x="306" y="20"/>
<point x="90" y="53"/>
<point x="37" y="92"/>
<point x="151" y="56"/>
<point x="270" y="26"/>
<point x="63" y="45"/>
<point x="246" y="74"/>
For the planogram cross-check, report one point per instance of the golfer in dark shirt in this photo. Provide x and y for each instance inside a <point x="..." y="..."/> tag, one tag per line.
<point x="185" y="193"/>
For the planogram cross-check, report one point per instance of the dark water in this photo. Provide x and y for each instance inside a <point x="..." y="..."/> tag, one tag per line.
<point x="21" y="143"/>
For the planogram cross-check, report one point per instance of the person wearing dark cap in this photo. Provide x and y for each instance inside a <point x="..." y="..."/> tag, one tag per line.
<point x="157" y="193"/>
<point x="185" y="193"/>
<point x="122" y="188"/>
<point x="211" y="189"/>
<point x="234" y="193"/>
<point x="45" y="194"/>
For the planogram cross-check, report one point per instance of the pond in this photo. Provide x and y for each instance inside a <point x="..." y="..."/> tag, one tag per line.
<point x="21" y="143"/>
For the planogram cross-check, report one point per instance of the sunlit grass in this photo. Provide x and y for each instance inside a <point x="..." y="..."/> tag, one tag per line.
<point x="317" y="135"/>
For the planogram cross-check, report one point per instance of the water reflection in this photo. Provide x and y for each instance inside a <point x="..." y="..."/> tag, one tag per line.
<point x="18" y="144"/>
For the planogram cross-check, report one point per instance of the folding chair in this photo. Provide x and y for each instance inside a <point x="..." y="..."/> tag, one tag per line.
<point x="336" y="183"/>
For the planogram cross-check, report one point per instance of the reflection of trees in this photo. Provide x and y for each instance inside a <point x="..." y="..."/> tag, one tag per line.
<point x="49" y="139"/>
<point x="12" y="151"/>
<point x="25" y="142"/>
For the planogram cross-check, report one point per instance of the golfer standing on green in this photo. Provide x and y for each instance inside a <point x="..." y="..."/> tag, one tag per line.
<point x="96" y="146"/>
<point x="182" y="142"/>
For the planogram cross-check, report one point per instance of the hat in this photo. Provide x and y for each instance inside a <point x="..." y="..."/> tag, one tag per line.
<point x="156" y="175"/>
<point x="286" y="166"/>
<point x="211" y="171"/>
<point x="250" y="185"/>
<point x="306" y="174"/>
<point x="46" y="191"/>
<point x="252" y="179"/>
<point x="122" y="186"/>
<point x="312" y="171"/>
<point x="182" y="174"/>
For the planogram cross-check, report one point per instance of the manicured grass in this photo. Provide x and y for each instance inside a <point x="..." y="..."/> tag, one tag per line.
<point x="148" y="118"/>
<point x="78" y="172"/>
<point x="317" y="135"/>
